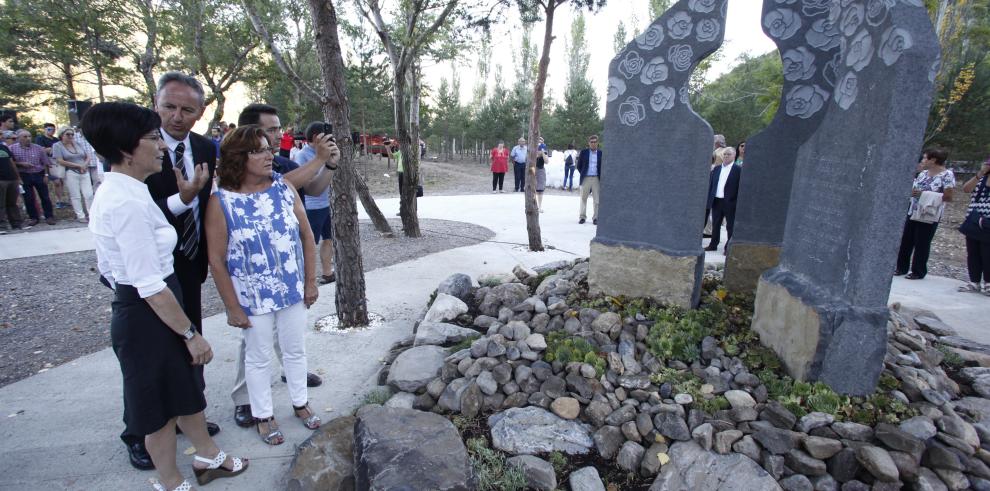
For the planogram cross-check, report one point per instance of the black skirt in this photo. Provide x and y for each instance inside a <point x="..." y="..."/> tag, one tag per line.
<point x="160" y="381"/>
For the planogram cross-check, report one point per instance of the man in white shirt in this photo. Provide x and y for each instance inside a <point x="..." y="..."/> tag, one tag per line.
<point x="723" y="190"/>
<point x="518" y="158"/>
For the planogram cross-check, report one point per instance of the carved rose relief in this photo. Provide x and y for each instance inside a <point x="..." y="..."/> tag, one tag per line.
<point x="654" y="71"/>
<point x="680" y="55"/>
<point x="651" y="38"/>
<point x="851" y="19"/>
<point x="683" y="94"/>
<point x="799" y="64"/>
<point x="786" y="2"/>
<point x="707" y="30"/>
<point x="803" y="101"/>
<point x="662" y="98"/>
<point x="782" y="23"/>
<point x="824" y="34"/>
<point x="616" y="87"/>
<point x="702" y="6"/>
<point x="858" y="51"/>
<point x="631" y="112"/>
<point x="679" y="25"/>
<point x="846" y="90"/>
<point x="630" y="66"/>
<point x="812" y="8"/>
<point x="831" y="70"/>
<point x="893" y="42"/>
<point x="877" y="10"/>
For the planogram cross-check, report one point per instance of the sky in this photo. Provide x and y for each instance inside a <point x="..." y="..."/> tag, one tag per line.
<point x="743" y="35"/>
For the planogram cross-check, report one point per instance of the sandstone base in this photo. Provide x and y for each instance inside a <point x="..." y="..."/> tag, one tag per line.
<point x="634" y="272"/>
<point x="745" y="262"/>
<point x="819" y="338"/>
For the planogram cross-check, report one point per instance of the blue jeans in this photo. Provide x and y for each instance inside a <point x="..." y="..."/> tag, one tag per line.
<point x="519" y="171"/>
<point x="568" y="177"/>
<point x="35" y="181"/>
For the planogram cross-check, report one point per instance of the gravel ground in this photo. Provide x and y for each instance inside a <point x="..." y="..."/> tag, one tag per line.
<point x="42" y="326"/>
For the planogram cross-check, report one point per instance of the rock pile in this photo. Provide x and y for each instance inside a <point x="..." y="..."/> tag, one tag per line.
<point x="620" y="410"/>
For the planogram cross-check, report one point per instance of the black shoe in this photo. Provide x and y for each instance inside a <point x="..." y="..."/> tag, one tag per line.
<point x="711" y="248"/>
<point x="900" y="273"/>
<point x="312" y="380"/>
<point x="211" y="428"/>
<point x="139" y="457"/>
<point x="706" y="236"/>
<point x="242" y="416"/>
<point x="581" y="221"/>
<point x="912" y="276"/>
<point x="594" y="221"/>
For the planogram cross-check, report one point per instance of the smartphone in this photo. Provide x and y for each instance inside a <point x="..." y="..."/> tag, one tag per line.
<point x="328" y="130"/>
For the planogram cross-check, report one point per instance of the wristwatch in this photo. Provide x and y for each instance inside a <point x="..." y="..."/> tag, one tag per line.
<point x="190" y="333"/>
<point x="327" y="165"/>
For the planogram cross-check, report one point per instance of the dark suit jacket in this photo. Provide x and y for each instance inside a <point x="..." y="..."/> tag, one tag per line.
<point x="731" y="185"/>
<point x="582" y="163"/>
<point x="163" y="184"/>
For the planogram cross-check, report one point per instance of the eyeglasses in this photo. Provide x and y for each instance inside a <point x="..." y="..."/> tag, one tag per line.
<point x="68" y="134"/>
<point x="155" y="137"/>
<point x="260" y="151"/>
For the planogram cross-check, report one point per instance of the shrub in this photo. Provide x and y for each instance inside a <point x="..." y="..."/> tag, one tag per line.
<point x="567" y="348"/>
<point x="491" y="470"/>
<point x="677" y="335"/>
<point x="378" y="396"/>
<point x="463" y="344"/>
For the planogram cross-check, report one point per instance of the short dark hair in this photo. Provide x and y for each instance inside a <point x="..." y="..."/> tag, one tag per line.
<point x="939" y="155"/>
<point x="313" y="129"/>
<point x="7" y="117"/>
<point x="234" y="154"/>
<point x="113" y="128"/>
<point x="252" y="113"/>
<point x="570" y="146"/>
<point x="49" y="125"/>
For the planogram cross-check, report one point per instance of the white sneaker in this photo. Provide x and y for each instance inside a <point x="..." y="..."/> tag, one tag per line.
<point x="494" y="191"/>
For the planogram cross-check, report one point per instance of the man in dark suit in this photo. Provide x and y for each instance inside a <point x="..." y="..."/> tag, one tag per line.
<point x="181" y="190"/>
<point x="723" y="190"/>
<point x="589" y="165"/>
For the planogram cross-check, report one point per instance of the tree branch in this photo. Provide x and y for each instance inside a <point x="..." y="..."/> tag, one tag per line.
<point x="266" y="36"/>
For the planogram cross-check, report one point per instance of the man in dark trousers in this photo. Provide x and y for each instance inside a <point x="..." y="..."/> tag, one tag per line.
<point x="181" y="190"/>
<point x="589" y="165"/>
<point x="723" y="189"/>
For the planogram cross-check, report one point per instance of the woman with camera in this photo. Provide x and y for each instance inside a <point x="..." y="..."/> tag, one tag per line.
<point x="976" y="228"/>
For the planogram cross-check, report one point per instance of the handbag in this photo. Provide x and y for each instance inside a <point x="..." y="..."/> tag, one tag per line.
<point x="970" y="227"/>
<point x="419" y="190"/>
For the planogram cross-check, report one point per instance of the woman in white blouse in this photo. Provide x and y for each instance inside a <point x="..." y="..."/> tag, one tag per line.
<point x="160" y="353"/>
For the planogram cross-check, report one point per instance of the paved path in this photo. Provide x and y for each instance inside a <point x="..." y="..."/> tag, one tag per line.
<point x="60" y="427"/>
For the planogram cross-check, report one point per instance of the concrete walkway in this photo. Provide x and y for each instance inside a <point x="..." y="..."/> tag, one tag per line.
<point x="60" y="427"/>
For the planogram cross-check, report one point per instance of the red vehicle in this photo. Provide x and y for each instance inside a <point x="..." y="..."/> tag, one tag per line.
<point x="374" y="144"/>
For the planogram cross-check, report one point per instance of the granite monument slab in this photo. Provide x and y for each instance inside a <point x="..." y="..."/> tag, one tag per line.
<point x="823" y="308"/>
<point x="809" y="54"/>
<point x="648" y="242"/>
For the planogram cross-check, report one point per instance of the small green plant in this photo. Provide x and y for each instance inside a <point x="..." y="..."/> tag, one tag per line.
<point x="544" y="275"/>
<point x="491" y="470"/>
<point x="378" y="396"/>
<point x="677" y="335"/>
<point x="951" y="359"/>
<point x="433" y="298"/>
<point x="463" y="344"/>
<point x="566" y="348"/>
<point x="558" y="461"/>
<point x="489" y="281"/>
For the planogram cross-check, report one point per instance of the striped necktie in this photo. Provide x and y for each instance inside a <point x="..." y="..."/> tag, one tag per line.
<point x="189" y="238"/>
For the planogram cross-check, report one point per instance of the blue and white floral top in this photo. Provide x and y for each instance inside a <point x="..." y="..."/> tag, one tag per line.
<point x="264" y="251"/>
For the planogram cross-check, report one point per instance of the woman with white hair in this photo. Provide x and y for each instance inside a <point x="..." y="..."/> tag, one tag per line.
<point x="74" y="159"/>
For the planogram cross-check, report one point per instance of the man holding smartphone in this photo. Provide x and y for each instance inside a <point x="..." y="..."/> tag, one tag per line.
<point x="318" y="207"/>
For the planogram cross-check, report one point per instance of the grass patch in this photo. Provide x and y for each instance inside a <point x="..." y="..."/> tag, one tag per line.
<point x="951" y="358"/>
<point x="489" y="281"/>
<point x="378" y="396"/>
<point x="490" y="469"/>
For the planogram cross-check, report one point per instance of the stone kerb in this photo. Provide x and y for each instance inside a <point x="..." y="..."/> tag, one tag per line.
<point x="655" y="172"/>
<point x="809" y="49"/>
<point x="844" y="219"/>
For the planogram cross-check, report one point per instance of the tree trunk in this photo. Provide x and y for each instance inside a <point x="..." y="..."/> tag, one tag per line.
<point x="371" y="208"/>
<point x="99" y="81"/>
<point x="146" y="64"/>
<point x="350" y="300"/>
<point x="220" y="99"/>
<point x="70" y="80"/>
<point x="532" y="210"/>
<point x="407" y="201"/>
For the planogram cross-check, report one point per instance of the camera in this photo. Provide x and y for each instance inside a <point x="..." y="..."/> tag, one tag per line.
<point x="328" y="130"/>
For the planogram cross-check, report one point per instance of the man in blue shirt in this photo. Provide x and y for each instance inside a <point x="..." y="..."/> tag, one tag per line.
<point x="318" y="207"/>
<point x="518" y="156"/>
<point x="590" y="165"/>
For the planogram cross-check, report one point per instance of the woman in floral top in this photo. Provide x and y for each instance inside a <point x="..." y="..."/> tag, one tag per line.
<point x="262" y="255"/>
<point x="917" y="238"/>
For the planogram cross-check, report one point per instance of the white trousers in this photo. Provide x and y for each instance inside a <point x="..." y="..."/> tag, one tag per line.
<point x="80" y="189"/>
<point x="290" y="325"/>
<point x="591" y="185"/>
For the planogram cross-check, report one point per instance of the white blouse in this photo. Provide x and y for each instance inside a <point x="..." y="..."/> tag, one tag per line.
<point x="134" y="241"/>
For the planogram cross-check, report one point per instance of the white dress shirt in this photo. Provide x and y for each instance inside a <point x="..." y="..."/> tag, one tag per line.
<point x="134" y="241"/>
<point x="723" y="176"/>
<point x="175" y="204"/>
<point x="592" y="163"/>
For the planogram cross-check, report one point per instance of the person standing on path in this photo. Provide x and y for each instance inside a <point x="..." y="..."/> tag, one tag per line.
<point x="570" y="159"/>
<point x="542" y="155"/>
<point x="723" y="191"/>
<point x="500" y="165"/>
<point x="285" y="142"/>
<point x="75" y="163"/>
<point x="978" y="234"/>
<point x="932" y="188"/>
<point x="9" y="180"/>
<point x="33" y="164"/>
<point x="56" y="173"/>
<point x="518" y="156"/>
<point x="318" y="210"/>
<point x="589" y="166"/>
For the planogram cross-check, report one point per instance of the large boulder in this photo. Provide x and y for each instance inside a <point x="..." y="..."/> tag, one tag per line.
<point x="442" y="334"/>
<point x="506" y="294"/>
<point x="416" y="367"/>
<point x="445" y="308"/>
<point x="409" y="449"/>
<point x="531" y="430"/>
<point x="326" y="459"/>
<point x="692" y="467"/>
<point x="456" y="285"/>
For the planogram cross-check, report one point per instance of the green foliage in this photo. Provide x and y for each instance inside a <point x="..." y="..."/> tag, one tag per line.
<point x="433" y="298"/>
<point x="565" y="348"/>
<point x="677" y="335"/>
<point x="463" y="344"/>
<point x="491" y="470"/>
<point x="951" y="358"/>
<point x="377" y="396"/>
<point x="743" y="101"/>
<point x="559" y="462"/>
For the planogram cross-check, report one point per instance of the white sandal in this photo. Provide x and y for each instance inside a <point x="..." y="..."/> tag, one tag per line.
<point x="969" y="288"/>
<point x="185" y="486"/>
<point x="215" y="471"/>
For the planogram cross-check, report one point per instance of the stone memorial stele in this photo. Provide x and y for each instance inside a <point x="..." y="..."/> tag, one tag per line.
<point x="823" y="309"/>
<point x="809" y="57"/>
<point x="656" y="160"/>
